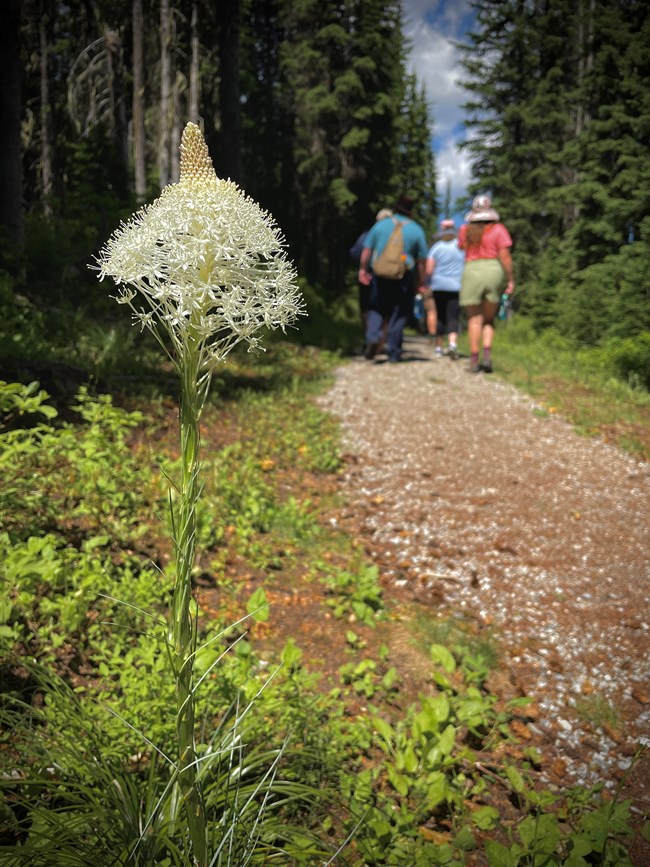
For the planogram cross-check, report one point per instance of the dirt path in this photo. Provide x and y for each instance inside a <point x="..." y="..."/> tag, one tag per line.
<point x="465" y="495"/>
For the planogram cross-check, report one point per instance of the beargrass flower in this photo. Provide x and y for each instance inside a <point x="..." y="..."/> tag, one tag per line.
<point x="203" y="264"/>
<point x="204" y="268"/>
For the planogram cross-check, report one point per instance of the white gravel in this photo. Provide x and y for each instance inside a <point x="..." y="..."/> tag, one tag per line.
<point x="461" y="486"/>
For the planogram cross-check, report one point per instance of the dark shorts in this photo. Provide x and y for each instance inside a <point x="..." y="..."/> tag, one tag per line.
<point x="447" y="308"/>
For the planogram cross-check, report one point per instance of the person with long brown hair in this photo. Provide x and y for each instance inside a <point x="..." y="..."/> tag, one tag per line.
<point x="487" y="274"/>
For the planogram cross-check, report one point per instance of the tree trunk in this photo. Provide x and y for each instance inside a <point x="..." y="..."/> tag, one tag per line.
<point x="193" y="101"/>
<point x="138" y="102"/>
<point x="175" y="132"/>
<point x="229" y="156"/>
<point x="585" y="62"/>
<point x="119" y="128"/>
<point x="584" y="49"/>
<point x="46" y="117"/>
<point x="11" y="192"/>
<point x="164" y="136"/>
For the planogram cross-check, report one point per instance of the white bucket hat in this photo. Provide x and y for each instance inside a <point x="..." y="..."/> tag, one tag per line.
<point x="482" y="211"/>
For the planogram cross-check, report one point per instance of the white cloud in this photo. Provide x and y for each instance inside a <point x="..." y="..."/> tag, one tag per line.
<point x="453" y="168"/>
<point x="435" y="61"/>
<point x="431" y="26"/>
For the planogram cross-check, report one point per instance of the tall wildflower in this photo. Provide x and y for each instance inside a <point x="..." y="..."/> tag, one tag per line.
<point x="204" y="269"/>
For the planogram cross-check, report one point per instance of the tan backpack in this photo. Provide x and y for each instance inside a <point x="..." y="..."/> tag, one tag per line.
<point x="391" y="262"/>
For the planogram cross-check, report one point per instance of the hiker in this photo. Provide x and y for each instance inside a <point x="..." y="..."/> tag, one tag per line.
<point x="398" y="272"/>
<point x="487" y="274"/>
<point x="355" y="255"/>
<point x="445" y="263"/>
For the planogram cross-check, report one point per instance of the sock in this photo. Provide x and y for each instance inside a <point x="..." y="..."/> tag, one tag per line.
<point x="452" y="345"/>
<point x="474" y="358"/>
<point x="486" y="354"/>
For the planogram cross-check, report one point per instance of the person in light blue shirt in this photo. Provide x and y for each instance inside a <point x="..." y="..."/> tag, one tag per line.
<point x="391" y="301"/>
<point x="445" y="263"/>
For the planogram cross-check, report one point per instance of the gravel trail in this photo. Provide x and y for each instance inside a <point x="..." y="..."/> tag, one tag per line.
<point x="463" y="490"/>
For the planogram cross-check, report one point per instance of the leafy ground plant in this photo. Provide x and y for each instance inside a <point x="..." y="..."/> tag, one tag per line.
<point x="203" y="269"/>
<point x="422" y="781"/>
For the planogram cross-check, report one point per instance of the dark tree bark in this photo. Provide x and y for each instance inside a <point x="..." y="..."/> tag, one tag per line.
<point x="138" y="102"/>
<point x="11" y="194"/>
<point x="119" y="121"/>
<point x="45" y="116"/>
<point x="228" y="159"/>
<point x="164" y="118"/>
<point x="175" y="133"/>
<point x="193" y="101"/>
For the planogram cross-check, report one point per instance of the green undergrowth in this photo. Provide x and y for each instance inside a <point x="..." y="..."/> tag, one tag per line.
<point x="603" y="391"/>
<point x="295" y="773"/>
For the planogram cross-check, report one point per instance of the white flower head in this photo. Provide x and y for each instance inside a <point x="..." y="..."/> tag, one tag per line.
<point x="204" y="263"/>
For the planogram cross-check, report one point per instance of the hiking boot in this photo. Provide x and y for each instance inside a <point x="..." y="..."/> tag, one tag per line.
<point x="452" y="352"/>
<point x="474" y="367"/>
<point x="486" y="366"/>
<point x="370" y="351"/>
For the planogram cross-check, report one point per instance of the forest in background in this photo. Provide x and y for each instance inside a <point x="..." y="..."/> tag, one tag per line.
<point x="307" y="106"/>
<point x="559" y="121"/>
<point x="310" y="108"/>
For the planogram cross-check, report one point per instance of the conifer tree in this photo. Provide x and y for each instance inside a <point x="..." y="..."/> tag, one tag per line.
<point x="559" y="136"/>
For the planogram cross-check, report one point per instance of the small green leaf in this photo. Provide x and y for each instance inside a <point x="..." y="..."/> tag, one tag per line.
<point x="485" y="818"/>
<point x="436" y="790"/>
<point x="291" y="654"/>
<point x="411" y="761"/>
<point x="515" y="778"/>
<point x="499" y="855"/>
<point x="258" y="606"/>
<point x="447" y="740"/>
<point x="441" y="655"/>
<point x="6" y="607"/>
<point x="383" y="728"/>
<point x="389" y="679"/>
<point x="575" y="860"/>
<point x="398" y="781"/>
<point x="464" y="839"/>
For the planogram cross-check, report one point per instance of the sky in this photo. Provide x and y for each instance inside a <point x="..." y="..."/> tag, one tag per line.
<point x="431" y="25"/>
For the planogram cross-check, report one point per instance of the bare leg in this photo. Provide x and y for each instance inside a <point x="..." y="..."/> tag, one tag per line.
<point x="432" y="316"/>
<point x="474" y="327"/>
<point x="489" y="312"/>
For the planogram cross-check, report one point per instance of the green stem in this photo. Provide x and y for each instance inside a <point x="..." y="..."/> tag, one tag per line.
<point x="182" y="629"/>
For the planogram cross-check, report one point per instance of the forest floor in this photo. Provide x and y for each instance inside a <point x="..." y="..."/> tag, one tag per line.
<point x="479" y="508"/>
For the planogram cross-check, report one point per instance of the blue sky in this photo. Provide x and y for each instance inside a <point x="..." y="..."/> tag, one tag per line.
<point x="431" y="25"/>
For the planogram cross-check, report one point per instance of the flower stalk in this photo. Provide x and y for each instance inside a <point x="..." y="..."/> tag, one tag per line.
<point x="204" y="269"/>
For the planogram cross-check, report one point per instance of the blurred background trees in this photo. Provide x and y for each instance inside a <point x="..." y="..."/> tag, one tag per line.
<point x="559" y="133"/>
<point x="311" y="109"/>
<point x="306" y="105"/>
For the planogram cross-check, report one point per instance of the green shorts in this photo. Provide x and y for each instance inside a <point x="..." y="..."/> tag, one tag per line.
<point x="483" y="280"/>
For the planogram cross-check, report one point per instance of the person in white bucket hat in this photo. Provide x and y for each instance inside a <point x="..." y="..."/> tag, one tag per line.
<point x="487" y="274"/>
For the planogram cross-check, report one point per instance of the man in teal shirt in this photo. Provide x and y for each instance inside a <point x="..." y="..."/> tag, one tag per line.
<point x="391" y="301"/>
